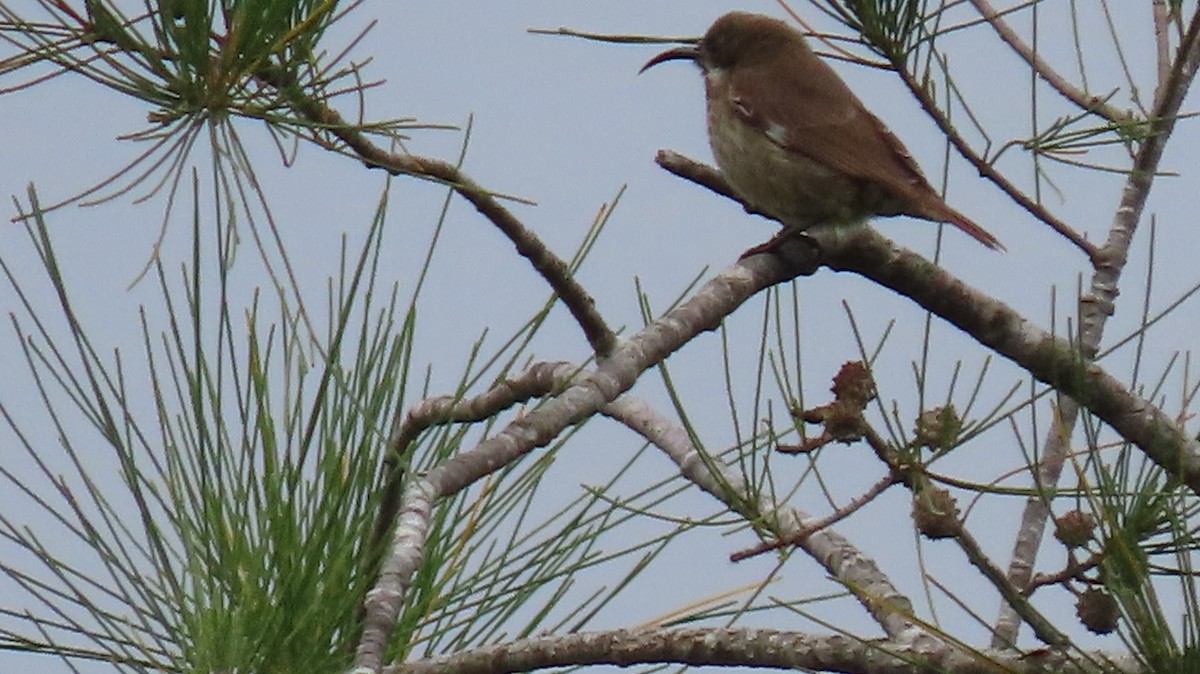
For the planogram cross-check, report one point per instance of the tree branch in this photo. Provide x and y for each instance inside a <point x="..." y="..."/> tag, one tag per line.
<point x="988" y="171"/>
<point x="837" y="555"/>
<point x="1090" y="102"/>
<point x="587" y="394"/>
<point x="841" y="558"/>
<point x="544" y="261"/>
<point x="1053" y="361"/>
<point x="749" y="647"/>
<point x="992" y="323"/>
<point x="1099" y="303"/>
<point x="538" y="380"/>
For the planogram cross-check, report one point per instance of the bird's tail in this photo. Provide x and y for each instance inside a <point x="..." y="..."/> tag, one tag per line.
<point x="952" y="217"/>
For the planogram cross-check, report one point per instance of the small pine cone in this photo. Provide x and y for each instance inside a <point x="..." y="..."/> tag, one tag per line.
<point x="844" y="422"/>
<point x="938" y="429"/>
<point x="854" y="385"/>
<point x="936" y="514"/>
<point x="1097" y="610"/>
<point x="1075" y="529"/>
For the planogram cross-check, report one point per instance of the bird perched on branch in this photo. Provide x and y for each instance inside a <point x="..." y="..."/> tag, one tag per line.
<point x="794" y="142"/>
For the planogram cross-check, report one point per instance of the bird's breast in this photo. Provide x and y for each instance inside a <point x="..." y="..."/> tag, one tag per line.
<point x="777" y="180"/>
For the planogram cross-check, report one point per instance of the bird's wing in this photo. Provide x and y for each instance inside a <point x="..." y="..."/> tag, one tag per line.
<point x="810" y="111"/>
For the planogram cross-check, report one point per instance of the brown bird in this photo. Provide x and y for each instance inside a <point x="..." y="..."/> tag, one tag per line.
<point x="792" y="139"/>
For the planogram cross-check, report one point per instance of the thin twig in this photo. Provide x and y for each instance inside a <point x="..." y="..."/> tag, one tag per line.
<point x="890" y="608"/>
<point x="854" y="505"/>
<point x="553" y="269"/>
<point x="1090" y="102"/>
<point x="1073" y="571"/>
<point x="1013" y="596"/>
<point x="611" y="37"/>
<point x="988" y="171"/>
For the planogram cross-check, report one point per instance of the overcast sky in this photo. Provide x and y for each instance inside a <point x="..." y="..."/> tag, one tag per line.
<point x="567" y="123"/>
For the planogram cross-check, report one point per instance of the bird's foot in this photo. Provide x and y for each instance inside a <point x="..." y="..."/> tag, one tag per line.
<point x="783" y="243"/>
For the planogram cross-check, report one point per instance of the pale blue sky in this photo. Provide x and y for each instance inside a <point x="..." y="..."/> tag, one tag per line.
<point x="566" y="123"/>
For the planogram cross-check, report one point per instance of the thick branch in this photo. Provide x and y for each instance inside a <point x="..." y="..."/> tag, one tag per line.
<point x="582" y="399"/>
<point x="1098" y="304"/>
<point x="748" y="647"/>
<point x="536" y="381"/>
<point x="1053" y="361"/>
<point x="837" y="555"/>
<point x="994" y="324"/>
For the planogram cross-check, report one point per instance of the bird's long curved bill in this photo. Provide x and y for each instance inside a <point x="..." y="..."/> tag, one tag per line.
<point x="688" y="53"/>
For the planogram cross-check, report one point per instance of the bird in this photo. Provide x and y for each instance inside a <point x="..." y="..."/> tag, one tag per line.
<point x="792" y="139"/>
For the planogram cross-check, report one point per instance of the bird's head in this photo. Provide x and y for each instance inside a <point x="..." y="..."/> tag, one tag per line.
<point x="735" y="39"/>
